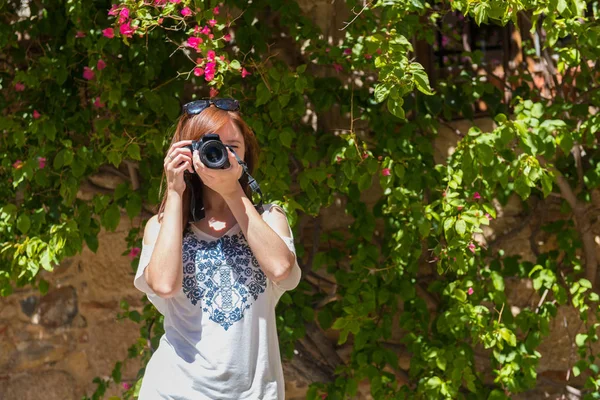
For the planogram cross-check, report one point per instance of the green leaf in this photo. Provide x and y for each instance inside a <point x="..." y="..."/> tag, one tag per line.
<point x="286" y="136"/>
<point x="133" y="151"/>
<point x="581" y="339"/>
<point x="422" y="81"/>
<point x="365" y="181"/>
<point x="110" y="218"/>
<point x="340" y="323"/>
<point x="521" y="187"/>
<point x="23" y="223"/>
<point x="497" y="281"/>
<point x="497" y="394"/>
<point x="433" y="383"/>
<point x="263" y="95"/>
<point x="325" y="318"/>
<point x="395" y="107"/>
<point x="508" y="336"/>
<point x="381" y="92"/>
<point x="546" y="184"/>
<point x="43" y="286"/>
<point x="59" y="160"/>
<point x="461" y="227"/>
<point x="155" y="101"/>
<point x="134" y="205"/>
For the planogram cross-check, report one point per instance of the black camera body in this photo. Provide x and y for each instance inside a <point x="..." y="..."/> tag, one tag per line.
<point x="213" y="153"/>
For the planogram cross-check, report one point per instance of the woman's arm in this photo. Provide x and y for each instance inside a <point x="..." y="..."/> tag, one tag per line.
<point x="164" y="273"/>
<point x="271" y="252"/>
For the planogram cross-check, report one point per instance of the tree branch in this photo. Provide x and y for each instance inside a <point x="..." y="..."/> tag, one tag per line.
<point x="582" y="223"/>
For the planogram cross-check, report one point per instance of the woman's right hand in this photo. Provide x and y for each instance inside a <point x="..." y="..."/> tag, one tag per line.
<point x="178" y="160"/>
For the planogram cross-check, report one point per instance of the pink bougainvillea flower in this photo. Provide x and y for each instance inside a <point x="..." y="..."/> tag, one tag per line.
<point x="109" y="33"/>
<point x="42" y="162"/>
<point x="198" y="71"/>
<point x="245" y="72"/>
<point x="205" y="30"/>
<point x="338" y="68"/>
<point x="127" y="30"/>
<point x="472" y="247"/>
<point x="368" y="56"/>
<point x="470" y="291"/>
<point x="212" y="22"/>
<point x="124" y="15"/>
<point x="489" y="217"/>
<point x="327" y="50"/>
<point x="365" y="156"/>
<point x="19" y="87"/>
<point x="338" y="159"/>
<point x="386" y="172"/>
<point x="186" y="11"/>
<point x="18" y="164"/>
<point x="476" y="196"/>
<point x="80" y="34"/>
<point x="227" y="37"/>
<point x="216" y="10"/>
<point x="114" y="10"/>
<point x="222" y="58"/>
<point x="194" y="42"/>
<point x="211" y="36"/>
<point x="88" y="73"/>
<point x="36" y="114"/>
<point x="196" y="29"/>
<point x="101" y="65"/>
<point x="160" y="20"/>
<point x="98" y="103"/>
<point x="160" y="2"/>
<point x="459" y="208"/>
<point x="347" y="51"/>
<point x="209" y="71"/>
<point x="213" y="92"/>
<point x="175" y="1"/>
<point x="210" y="56"/>
<point x="126" y="385"/>
<point x="378" y="51"/>
<point x="134" y="252"/>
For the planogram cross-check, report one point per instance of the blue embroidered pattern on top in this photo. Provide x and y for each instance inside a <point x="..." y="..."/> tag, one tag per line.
<point x="223" y="275"/>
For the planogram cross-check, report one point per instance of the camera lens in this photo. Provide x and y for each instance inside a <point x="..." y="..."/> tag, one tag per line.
<point x="214" y="154"/>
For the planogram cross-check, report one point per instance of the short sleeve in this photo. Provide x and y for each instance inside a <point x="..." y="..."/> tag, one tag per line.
<point x="140" y="280"/>
<point x="293" y="278"/>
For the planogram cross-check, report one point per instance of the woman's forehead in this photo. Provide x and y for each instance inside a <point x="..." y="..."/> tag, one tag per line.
<point x="230" y="132"/>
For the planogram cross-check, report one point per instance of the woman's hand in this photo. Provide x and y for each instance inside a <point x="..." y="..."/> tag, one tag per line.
<point x="223" y="181"/>
<point x="178" y="160"/>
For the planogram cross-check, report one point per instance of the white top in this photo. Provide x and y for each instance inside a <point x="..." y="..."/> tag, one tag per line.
<point x="220" y="338"/>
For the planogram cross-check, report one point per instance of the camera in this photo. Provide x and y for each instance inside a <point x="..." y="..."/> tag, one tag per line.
<point x="213" y="153"/>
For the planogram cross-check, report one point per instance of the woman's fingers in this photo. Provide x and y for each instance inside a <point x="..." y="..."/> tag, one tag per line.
<point x="175" y="152"/>
<point x="179" y="145"/>
<point x="177" y="161"/>
<point x="185" y="166"/>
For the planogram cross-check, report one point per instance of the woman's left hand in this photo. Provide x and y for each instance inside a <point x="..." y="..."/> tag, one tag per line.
<point x="223" y="181"/>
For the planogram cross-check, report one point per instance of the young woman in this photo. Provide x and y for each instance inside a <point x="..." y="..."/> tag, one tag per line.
<point x="217" y="280"/>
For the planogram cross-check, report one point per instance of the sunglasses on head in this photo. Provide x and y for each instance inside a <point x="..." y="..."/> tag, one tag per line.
<point x="197" y="106"/>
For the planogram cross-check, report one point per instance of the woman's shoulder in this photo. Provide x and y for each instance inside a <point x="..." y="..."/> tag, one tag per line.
<point x="151" y="230"/>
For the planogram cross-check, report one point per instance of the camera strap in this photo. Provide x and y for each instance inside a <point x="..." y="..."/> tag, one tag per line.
<point x="252" y="183"/>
